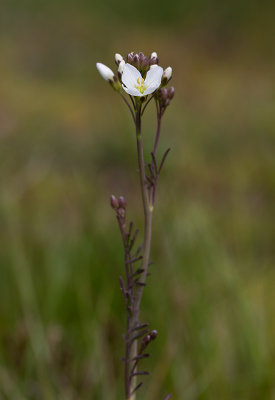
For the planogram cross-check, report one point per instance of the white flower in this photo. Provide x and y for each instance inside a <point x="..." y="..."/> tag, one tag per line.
<point x="154" y="55"/>
<point x="118" y="58"/>
<point x="135" y="85"/>
<point x="167" y="74"/>
<point x="121" y="67"/>
<point x="105" y="72"/>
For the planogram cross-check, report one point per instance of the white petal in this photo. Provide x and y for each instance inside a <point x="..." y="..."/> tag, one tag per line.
<point x="154" y="55"/>
<point x="105" y="72"/>
<point x="121" y="66"/>
<point x="132" y="91"/>
<point x="167" y="73"/>
<point x="118" y="58"/>
<point x="151" y="88"/>
<point x="153" y="75"/>
<point x="130" y="76"/>
<point x="153" y="79"/>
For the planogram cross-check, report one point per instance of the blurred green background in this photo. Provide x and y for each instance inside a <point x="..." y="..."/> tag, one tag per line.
<point x="67" y="142"/>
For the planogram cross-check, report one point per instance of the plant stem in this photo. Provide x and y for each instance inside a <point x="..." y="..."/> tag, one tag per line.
<point x="157" y="134"/>
<point x="148" y="210"/>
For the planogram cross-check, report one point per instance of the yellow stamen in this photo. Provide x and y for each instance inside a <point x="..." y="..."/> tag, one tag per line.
<point x="140" y="86"/>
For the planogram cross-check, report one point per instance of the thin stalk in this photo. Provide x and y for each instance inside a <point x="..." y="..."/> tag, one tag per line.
<point x="148" y="210"/>
<point x="128" y="105"/>
<point x="157" y="134"/>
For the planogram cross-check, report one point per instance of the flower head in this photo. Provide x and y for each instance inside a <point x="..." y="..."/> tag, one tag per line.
<point x="135" y="85"/>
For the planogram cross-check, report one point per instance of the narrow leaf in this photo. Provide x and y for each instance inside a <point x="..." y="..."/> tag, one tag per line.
<point x="136" y="388"/>
<point x="136" y="328"/>
<point x="146" y="355"/>
<point x="140" y="373"/>
<point x="154" y="162"/>
<point x="133" y="239"/>
<point x="140" y="334"/>
<point x="163" y="159"/>
<point x="133" y="260"/>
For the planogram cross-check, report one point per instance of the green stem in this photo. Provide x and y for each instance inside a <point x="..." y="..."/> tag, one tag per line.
<point x="148" y="210"/>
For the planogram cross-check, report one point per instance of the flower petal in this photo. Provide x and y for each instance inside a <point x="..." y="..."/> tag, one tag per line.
<point x="105" y="72"/>
<point x="154" y="76"/>
<point x="154" y="86"/>
<point x="130" y="76"/>
<point x="132" y="91"/>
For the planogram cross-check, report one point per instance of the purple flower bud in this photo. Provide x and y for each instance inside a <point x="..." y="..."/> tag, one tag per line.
<point x="171" y="92"/>
<point x="144" y="64"/>
<point x="153" y="61"/>
<point x="153" y="334"/>
<point x="163" y="93"/>
<point x="122" y="202"/>
<point x="130" y="57"/>
<point x="135" y="60"/>
<point x="146" y="339"/>
<point x="141" y="56"/>
<point x="114" y="202"/>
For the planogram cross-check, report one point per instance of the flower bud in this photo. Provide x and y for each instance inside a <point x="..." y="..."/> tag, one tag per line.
<point x="163" y="92"/>
<point x="146" y="340"/>
<point x="153" y="334"/>
<point x="121" y="212"/>
<point x="144" y="64"/>
<point x="167" y="75"/>
<point x="171" y="92"/>
<point x="153" y="58"/>
<point x="114" y="202"/>
<point x="122" y="202"/>
<point x="135" y="60"/>
<point x="120" y="68"/>
<point x="141" y="56"/>
<point x="105" y="72"/>
<point x="118" y="58"/>
<point x="130" y="57"/>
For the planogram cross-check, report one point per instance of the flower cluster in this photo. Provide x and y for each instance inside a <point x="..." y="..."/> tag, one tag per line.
<point x="139" y="76"/>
